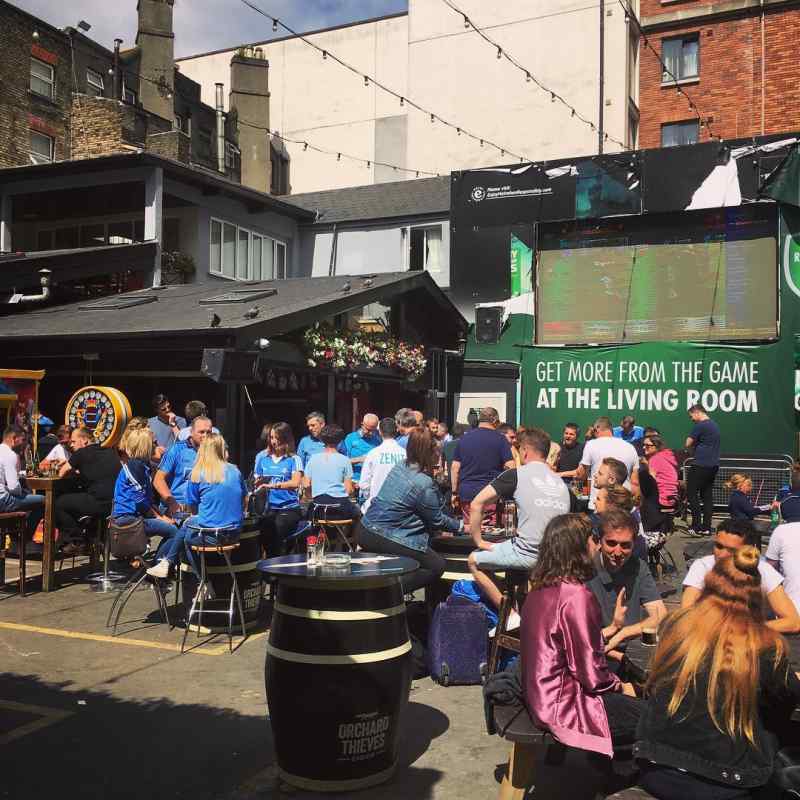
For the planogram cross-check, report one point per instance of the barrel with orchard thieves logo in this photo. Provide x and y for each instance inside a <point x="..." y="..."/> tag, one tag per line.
<point x="244" y="560"/>
<point x="338" y="670"/>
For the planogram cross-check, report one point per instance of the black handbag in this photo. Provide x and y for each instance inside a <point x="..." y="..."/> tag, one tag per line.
<point x="128" y="539"/>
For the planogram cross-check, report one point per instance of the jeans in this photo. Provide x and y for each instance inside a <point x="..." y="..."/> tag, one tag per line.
<point x="344" y="508"/>
<point x="623" y="717"/>
<point x="32" y="503"/>
<point x="172" y="537"/>
<point x="192" y="537"/>
<point x="69" y="508"/>
<point x="700" y="486"/>
<point x="276" y="526"/>
<point x="431" y="564"/>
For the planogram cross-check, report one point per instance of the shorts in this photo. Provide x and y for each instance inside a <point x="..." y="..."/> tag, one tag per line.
<point x="505" y="555"/>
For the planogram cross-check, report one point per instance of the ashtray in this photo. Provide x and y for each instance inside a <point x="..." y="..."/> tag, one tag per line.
<point x="337" y="560"/>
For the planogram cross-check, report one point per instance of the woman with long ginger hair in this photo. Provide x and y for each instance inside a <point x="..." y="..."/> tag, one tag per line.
<point x="718" y="676"/>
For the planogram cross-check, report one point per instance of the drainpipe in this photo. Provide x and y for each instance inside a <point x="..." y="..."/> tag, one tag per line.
<point x="117" y="43"/>
<point x="602" y="76"/>
<point x="220" y="129"/>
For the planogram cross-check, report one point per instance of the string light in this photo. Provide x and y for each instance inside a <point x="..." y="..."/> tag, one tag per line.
<point x="433" y="118"/>
<point x="366" y="81"/>
<point x="252" y="5"/>
<point x="529" y="76"/>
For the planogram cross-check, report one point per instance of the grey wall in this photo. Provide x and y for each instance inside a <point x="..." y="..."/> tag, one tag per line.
<point x="391" y="139"/>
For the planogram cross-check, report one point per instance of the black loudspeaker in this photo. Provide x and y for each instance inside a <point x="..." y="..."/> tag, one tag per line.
<point x="488" y="324"/>
<point x="228" y="366"/>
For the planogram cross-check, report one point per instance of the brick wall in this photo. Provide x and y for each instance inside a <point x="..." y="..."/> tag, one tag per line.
<point x="172" y="144"/>
<point x="728" y="90"/>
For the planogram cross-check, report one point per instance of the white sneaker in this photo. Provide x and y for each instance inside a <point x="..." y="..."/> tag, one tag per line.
<point x="160" y="570"/>
<point x="514" y="621"/>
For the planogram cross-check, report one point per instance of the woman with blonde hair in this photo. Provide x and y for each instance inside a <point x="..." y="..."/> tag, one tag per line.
<point x="217" y="495"/>
<point x="739" y="504"/>
<point x="133" y="497"/>
<point x="718" y="674"/>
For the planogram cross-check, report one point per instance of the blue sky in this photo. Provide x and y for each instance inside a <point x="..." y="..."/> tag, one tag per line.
<point x="202" y="25"/>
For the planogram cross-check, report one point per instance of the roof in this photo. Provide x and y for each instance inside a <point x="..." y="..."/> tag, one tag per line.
<point x="189" y="173"/>
<point x="425" y="196"/>
<point x="190" y="309"/>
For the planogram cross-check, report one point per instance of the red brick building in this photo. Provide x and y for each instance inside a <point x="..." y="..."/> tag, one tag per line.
<point x="736" y="59"/>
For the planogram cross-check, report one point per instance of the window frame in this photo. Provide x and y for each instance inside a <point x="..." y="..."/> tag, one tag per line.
<point x="99" y="83"/>
<point x="51" y="82"/>
<point x="681" y="122"/>
<point x="406" y="240"/>
<point x="249" y="274"/>
<point x="39" y="157"/>
<point x="683" y="39"/>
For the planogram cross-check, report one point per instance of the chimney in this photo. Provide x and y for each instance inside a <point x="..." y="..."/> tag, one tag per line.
<point x="220" y="108"/>
<point x="249" y="96"/>
<point x="156" y="43"/>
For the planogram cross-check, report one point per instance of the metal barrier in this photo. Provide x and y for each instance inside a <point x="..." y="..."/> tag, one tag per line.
<point x="768" y="471"/>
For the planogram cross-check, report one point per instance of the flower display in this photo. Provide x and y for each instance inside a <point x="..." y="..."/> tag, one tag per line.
<point x="328" y="347"/>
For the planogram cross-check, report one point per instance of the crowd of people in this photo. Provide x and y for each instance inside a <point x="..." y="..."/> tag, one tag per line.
<point x="587" y="512"/>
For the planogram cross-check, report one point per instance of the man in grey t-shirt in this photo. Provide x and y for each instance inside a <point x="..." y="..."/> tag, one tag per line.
<point x="539" y="495"/>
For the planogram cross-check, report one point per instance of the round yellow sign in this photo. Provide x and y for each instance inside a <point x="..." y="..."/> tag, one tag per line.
<point x="105" y="411"/>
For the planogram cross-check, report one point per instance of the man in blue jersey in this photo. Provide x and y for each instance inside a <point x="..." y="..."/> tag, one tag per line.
<point x="311" y="444"/>
<point x="357" y="444"/>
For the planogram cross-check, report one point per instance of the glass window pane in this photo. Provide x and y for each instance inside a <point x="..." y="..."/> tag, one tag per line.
<point x="94" y="83"/>
<point x="120" y="232"/>
<point x="256" y="258"/>
<point x="268" y="260"/>
<point x="670" y="55"/>
<point x="244" y="254"/>
<point x="215" y="260"/>
<point x="229" y="250"/>
<point x="93" y="235"/>
<point x="41" y="148"/>
<point x="433" y="249"/>
<point x="280" y="260"/>
<point x="689" y="61"/>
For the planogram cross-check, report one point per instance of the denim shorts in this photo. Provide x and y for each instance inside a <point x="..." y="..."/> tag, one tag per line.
<point x="504" y="555"/>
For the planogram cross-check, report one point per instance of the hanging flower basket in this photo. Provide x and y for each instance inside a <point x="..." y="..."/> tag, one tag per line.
<point x="327" y="347"/>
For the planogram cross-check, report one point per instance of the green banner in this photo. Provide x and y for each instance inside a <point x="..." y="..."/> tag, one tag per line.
<point x="521" y="267"/>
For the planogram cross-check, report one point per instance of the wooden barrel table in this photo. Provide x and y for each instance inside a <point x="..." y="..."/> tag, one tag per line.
<point x="338" y="670"/>
<point x="244" y="560"/>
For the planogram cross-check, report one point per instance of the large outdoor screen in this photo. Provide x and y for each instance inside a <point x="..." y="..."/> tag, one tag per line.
<point x="613" y="287"/>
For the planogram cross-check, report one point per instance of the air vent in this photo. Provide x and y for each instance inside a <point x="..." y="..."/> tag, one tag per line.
<point x="239" y="296"/>
<point x="119" y="301"/>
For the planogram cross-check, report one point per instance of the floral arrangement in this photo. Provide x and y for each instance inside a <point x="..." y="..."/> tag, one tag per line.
<point x="328" y="347"/>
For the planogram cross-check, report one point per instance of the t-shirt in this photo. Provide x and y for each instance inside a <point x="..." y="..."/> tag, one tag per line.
<point x="635" y="433"/>
<point x="278" y="469"/>
<point x="771" y="579"/>
<point x="177" y="463"/>
<point x="790" y="508"/>
<point x="327" y="472"/>
<point x="164" y="433"/>
<point x="596" y="450"/>
<point x="357" y="446"/>
<point x="634" y="577"/>
<point x="9" y="474"/>
<point x="705" y="435"/>
<point x="377" y="465"/>
<point x="308" y="447"/>
<point x="784" y="547"/>
<point x="448" y="451"/>
<point x="403" y="441"/>
<point x="569" y="458"/>
<point x="482" y="454"/>
<point x="539" y="495"/>
<point x="219" y="505"/>
<point x="98" y="468"/>
<point x="58" y="453"/>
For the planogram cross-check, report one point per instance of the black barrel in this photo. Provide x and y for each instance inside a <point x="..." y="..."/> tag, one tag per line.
<point x="455" y="551"/>
<point x="338" y="675"/>
<point x="243" y="560"/>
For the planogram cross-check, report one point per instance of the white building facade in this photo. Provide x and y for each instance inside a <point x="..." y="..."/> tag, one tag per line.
<point x="428" y="55"/>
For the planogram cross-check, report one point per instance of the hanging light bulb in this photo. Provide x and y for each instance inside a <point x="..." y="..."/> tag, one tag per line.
<point x="274" y="25"/>
<point x="418" y="173"/>
<point x="338" y="156"/>
<point x="466" y="21"/>
<point x="573" y="113"/>
<point x="458" y="131"/>
<point x="499" y="52"/>
<point x="552" y="97"/>
<point x="527" y="77"/>
<point x="402" y="101"/>
<point x="481" y="142"/>
<point x="369" y="164"/>
<point x="324" y="54"/>
<point x="433" y="118"/>
<point x="502" y="152"/>
<point x="305" y="146"/>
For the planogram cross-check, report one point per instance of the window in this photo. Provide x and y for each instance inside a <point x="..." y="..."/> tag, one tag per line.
<point x="244" y="255"/>
<point x="94" y="83"/>
<point x="128" y="95"/>
<point x="42" y="78"/>
<point x="426" y="249"/>
<point x="677" y="133"/>
<point x="41" y="148"/>
<point x="232" y="156"/>
<point x="680" y="56"/>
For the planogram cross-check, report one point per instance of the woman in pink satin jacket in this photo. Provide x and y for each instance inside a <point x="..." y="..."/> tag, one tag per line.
<point x="566" y="681"/>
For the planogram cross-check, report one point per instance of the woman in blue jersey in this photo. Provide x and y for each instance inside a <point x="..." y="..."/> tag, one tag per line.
<point x="278" y="472"/>
<point x="217" y="495"/>
<point x="133" y="497"/>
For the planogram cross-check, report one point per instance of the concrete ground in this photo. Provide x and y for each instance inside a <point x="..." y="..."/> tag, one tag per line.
<point x="85" y="714"/>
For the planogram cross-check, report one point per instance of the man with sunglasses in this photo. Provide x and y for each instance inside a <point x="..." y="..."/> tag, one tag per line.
<point x="730" y="536"/>
<point x="623" y="582"/>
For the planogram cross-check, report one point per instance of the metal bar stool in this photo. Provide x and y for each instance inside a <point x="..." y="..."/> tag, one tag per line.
<point x="104" y="581"/>
<point x="341" y="527"/>
<point x="204" y="589"/>
<point x="13" y="524"/>
<point x="516" y="589"/>
<point x="140" y="566"/>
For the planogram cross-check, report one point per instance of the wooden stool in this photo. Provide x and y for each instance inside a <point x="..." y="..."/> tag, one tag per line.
<point x="514" y="594"/>
<point x="341" y="527"/>
<point x="514" y="724"/>
<point x="198" y="603"/>
<point x="13" y="524"/>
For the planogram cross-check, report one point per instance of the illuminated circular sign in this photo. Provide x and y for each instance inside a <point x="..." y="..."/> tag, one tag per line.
<point x="103" y="410"/>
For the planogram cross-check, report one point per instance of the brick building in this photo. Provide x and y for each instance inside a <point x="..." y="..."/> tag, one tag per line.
<point x="736" y="60"/>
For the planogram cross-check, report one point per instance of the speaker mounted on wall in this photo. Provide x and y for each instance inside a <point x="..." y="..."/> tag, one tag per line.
<point x="230" y="366"/>
<point x="488" y="324"/>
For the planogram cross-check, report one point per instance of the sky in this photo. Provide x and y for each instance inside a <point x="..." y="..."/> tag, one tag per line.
<point x="203" y="25"/>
